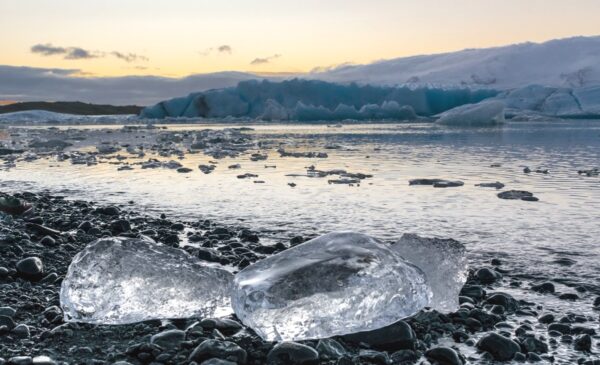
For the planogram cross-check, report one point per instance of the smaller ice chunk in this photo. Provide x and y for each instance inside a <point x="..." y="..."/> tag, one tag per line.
<point x="336" y="284"/>
<point x="485" y="113"/>
<point x="444" y="263"/>
<point x="125" y="280"/>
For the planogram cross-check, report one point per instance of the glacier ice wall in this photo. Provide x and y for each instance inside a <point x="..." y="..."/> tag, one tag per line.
<point x="312" y="100"/>
<point x="583" y="102"/>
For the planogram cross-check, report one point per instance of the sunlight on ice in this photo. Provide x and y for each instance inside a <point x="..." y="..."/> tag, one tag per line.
<point x="335" y="284"/>
<point x="444" y="263"/>
<point x="123" y="280"/>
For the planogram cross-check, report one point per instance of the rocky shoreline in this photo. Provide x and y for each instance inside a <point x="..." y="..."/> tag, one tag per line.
<point x="37" y="246"/>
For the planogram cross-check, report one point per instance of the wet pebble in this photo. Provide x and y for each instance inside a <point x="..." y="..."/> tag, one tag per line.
<point x="500" y="347"/>
<point x="292" y="353"/>
<point x="30" y="268"/>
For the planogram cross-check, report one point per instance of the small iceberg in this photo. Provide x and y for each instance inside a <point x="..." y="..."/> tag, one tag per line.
<point x="485" y="113"/>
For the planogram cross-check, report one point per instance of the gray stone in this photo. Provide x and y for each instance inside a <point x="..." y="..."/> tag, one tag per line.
<point x="398" y="336"/>
<point x="500" y="347"/>
<point x="168" y="339"/>
<point x="292" y="353"/>
<point x="20" y="360"/>
<point x="31" y="268"/>
<point x="7" y="311"/>
<point x="22" y="331"/>
<point x="443" y="356"/>
<point x="220" y="349"/>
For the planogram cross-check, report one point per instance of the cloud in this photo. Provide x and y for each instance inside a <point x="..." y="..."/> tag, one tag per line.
<point x="224" y="49"/>
<point x="220" y="49"/>
<point x="68" y="53"/>
<point x="260" y="61"/>
<point x="49" y="84"/>
<point x="48" y="49"/>
<point x="335" y="67"/>
<point x="129" y="57"/>
<point x="78" y="53"/>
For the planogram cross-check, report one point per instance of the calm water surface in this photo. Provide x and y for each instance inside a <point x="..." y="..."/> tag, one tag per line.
<point x="531" y="236"/>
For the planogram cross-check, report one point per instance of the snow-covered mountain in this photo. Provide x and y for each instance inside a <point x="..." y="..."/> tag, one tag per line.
<point x="570" y="62"/>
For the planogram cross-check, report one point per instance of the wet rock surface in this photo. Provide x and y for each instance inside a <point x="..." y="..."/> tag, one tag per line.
<point x="490" y="321"/>
<point x="517" y="195"/>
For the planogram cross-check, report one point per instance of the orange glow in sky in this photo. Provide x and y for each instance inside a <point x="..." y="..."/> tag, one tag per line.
<point x="182" y="37"/>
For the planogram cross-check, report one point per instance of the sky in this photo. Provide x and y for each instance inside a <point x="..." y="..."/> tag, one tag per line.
<point x="182" y="37"/>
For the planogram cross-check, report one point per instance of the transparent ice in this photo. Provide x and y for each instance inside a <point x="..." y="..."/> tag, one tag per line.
<point x="124" y="280"/>
<point x="444" y="263"/>
<point x="335" y="284"/>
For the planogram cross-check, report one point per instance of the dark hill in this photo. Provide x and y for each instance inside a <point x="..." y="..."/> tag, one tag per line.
<point x="69" y="107"/>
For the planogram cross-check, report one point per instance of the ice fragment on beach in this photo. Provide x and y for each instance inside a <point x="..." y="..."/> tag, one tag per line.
<point x="124" y="280"/>
<point x="444" y="263"/>
<point x="335" y="284"/>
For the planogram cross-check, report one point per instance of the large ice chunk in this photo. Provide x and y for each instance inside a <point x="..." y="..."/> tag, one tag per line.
<point x="444" y="263"/>
<point x="335" y="284"/>
<point x="123" y="280"/>
<point x="485" y="113"/>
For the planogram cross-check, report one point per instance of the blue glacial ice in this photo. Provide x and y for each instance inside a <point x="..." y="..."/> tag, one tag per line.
<point x="311" y="100"/>
<point x="581" y="102"/>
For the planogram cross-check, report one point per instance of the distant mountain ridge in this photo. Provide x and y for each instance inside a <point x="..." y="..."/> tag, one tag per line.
<point x="562" y="63"/>
<point x="569" y="62"/>
<point x="68" y="107"/>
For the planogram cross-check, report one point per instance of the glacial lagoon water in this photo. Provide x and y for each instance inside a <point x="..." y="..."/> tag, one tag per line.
<point x="532" y="238"/>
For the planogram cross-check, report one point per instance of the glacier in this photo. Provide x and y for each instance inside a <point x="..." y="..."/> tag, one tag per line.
<point x="570" y="62"/>
<point x="339" y="283"/>
<point x="582" y="102"/>
<point x="312" y="100"/>
<point x="125" y="280"/>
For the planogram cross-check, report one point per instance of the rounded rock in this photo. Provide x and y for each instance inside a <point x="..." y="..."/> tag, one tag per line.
<point x="48" y="241"/>
<point x="292" y="353"/>
<point x="31" y="268"/>
<point x="583" y="343"/>
<point x="22" y="331"/>
<point x="220" y="349"/>
<point x="168" y="339"/>
<point x="500" y="347"/>
<point x="20" y="360"/>
<point x="443" y="356"/>
<point x="487" y="275"/>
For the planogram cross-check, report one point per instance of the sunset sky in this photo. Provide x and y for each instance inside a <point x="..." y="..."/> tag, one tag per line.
<point x="182" y="37"/>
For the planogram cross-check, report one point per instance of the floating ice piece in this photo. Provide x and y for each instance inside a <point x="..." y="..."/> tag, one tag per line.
<point x="124" y="280"/>
<point x="444" y="263"/>
<point x="335" y="284"/>
<point x="484" y="113"/>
